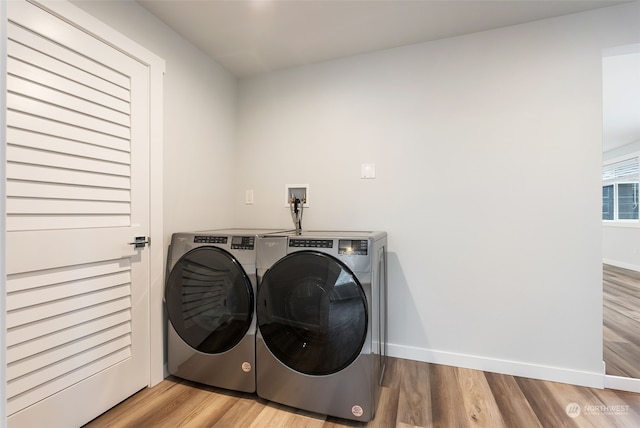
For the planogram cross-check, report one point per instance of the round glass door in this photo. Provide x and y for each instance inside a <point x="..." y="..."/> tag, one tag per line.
<point x="312" y="313"/>
<point x="209" y="300"/>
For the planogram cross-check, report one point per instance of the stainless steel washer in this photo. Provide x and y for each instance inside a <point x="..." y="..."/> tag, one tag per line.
<point x="321" y="309"/>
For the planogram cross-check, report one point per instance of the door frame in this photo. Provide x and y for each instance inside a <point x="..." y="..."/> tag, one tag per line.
<point x="3" y="211"/>
<point x="610" y="381"/>
<point x="156" y="69"/>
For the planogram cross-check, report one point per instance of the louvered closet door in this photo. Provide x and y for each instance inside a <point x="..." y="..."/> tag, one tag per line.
<point x="77" y="194"/>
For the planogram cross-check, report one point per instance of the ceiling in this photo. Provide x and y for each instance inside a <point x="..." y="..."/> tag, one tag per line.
<point x="250" y="37"/>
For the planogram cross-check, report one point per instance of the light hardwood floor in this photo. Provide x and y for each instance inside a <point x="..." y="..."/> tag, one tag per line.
<point x="417" y="394"/>
<point x="414" y="394"/>
<point x="621" y="313"/>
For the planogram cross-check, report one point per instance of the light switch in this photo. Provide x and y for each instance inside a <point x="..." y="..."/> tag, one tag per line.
<point x="368" y="170"/>
<point x="248" y="197"/>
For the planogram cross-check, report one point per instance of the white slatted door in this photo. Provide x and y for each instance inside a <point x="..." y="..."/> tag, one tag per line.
<point x="77" y="194"/>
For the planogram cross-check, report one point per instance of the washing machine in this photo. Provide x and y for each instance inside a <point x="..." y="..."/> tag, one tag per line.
<point x="210" y="303"/>
<point x="321" y="310"/>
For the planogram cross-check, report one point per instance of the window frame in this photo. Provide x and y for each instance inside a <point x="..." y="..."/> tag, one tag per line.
<point x="615" y="181"/>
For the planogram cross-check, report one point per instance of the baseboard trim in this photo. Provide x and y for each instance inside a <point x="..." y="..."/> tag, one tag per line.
<point x="623" y="265"/>
<point x="513" y="368"/>
<point x="622" y="383"/>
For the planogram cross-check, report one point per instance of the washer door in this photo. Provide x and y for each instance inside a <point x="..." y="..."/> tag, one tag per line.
<point x="312" y="313"/>
<point x="209" y="300"/>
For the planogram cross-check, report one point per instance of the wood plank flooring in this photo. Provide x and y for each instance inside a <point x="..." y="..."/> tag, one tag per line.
<point x="621" y="313"/>
<point x="417" y="394"/>
<point x="414" y="395"/>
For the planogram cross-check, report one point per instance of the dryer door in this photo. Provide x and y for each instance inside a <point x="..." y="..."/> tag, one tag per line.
<point x="312" y="313"/>
<point x="209" y="300"/>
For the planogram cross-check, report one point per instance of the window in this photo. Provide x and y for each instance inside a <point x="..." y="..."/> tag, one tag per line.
<point x="620" y="190"/>
<point x="607" y="202"/>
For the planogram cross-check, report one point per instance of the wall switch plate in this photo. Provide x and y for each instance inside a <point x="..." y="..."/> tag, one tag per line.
<point x="248" y="197"/>
<point x="368" y="170"/>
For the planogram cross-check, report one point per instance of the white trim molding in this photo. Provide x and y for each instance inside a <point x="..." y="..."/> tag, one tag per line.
<point x="621" y="264"/>
<point x="3" y="229"/>
<point x="622" y="383"/>
<point x="513" y="368"/>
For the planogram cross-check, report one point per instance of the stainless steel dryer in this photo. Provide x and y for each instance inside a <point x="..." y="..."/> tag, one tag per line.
<point x="209" y="297"/>
<point x="321" y="308"/>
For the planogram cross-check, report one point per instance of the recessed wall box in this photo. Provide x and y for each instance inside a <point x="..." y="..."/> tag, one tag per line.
<point x="300" y="191"/>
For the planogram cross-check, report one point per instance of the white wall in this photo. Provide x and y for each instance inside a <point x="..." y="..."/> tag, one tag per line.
<point x="621" y="241"/>
<point x="199" y="114"/>
<point x="477" y="140"/>
<point x="488" y="154"/>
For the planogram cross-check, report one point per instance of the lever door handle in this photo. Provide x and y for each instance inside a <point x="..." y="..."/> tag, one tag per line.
<point x="140" y="241"/>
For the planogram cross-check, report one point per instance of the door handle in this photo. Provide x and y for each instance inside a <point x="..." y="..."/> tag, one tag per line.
<point x="140" y="241"/>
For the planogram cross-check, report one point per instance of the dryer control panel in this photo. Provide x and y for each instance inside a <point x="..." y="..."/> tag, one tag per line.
<point x="209" y="239"/>
<point x="311" y="243"/>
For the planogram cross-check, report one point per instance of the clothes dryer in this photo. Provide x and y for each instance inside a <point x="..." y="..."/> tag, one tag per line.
<point x="210" y="302"/>
<point x="321" y="309"/>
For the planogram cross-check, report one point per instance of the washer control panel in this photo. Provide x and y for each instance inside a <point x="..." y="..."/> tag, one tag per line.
<point x="243" y="242"/>
<point x="209" y="239"/>
<point x="353" y="247"/>
<point x="311" y="243"/>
